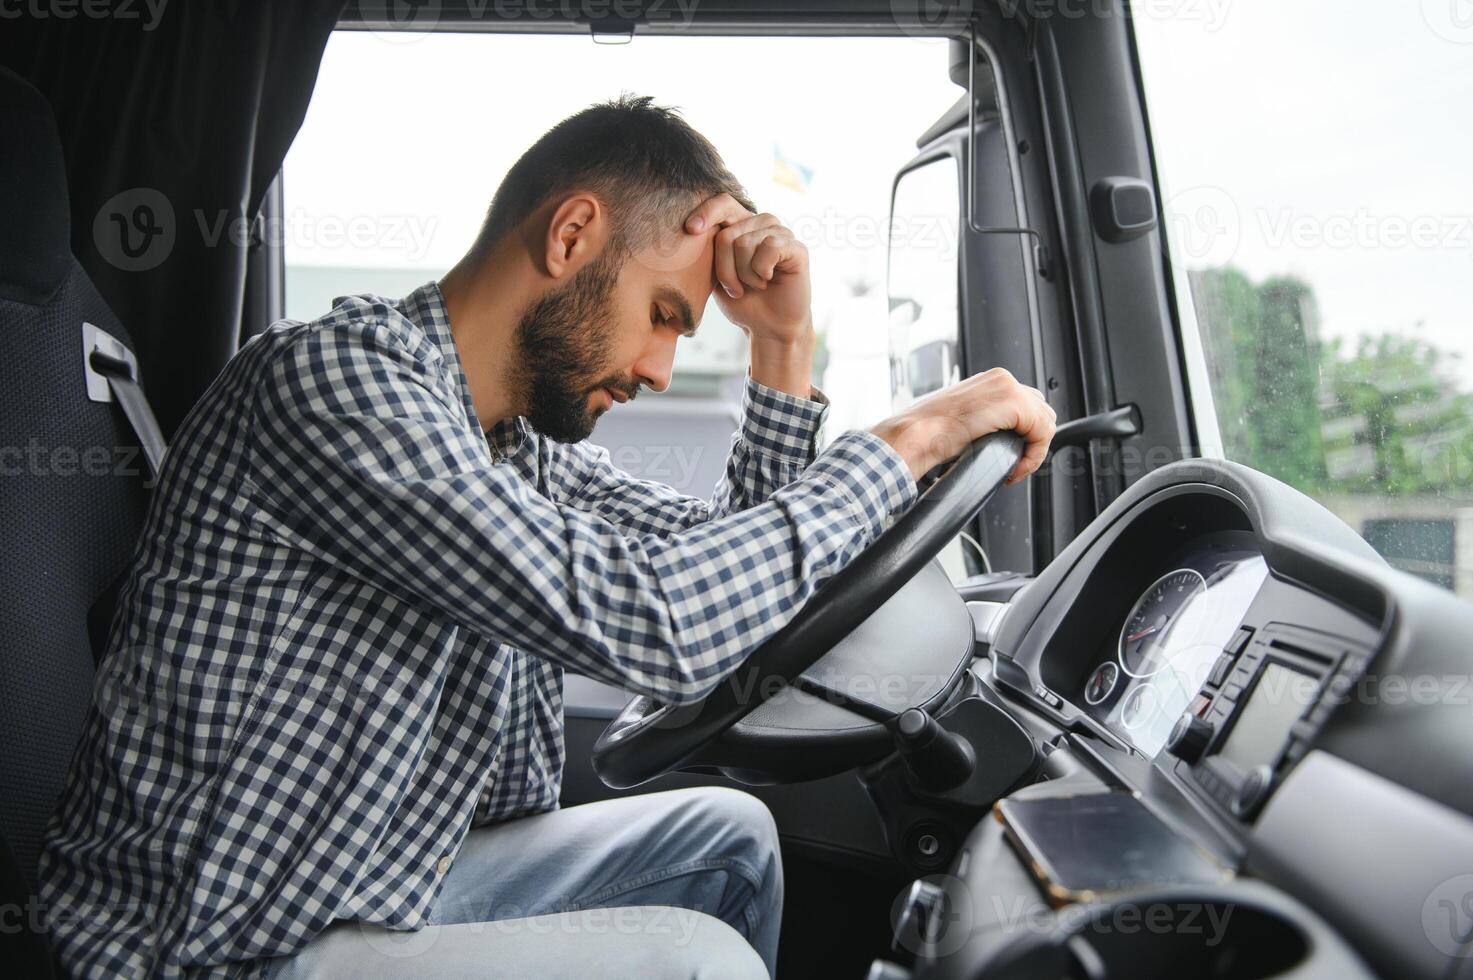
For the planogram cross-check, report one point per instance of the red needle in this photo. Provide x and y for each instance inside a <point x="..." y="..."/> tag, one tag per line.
<point x="1145" y="632"/>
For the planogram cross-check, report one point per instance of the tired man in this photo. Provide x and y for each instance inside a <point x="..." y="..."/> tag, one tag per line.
<point x="327" y="737"/>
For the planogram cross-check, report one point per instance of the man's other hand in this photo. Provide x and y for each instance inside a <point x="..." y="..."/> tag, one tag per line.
<point x="761" y="267"/>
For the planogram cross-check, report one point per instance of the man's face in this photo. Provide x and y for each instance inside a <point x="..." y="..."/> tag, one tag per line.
<point x="609" y="331"/>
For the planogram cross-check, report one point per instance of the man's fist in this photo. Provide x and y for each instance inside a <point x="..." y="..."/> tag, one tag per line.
<point x="761" y="270"/>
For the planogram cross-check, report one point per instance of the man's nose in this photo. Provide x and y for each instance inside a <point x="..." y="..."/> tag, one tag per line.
<point x="654" y="367"/>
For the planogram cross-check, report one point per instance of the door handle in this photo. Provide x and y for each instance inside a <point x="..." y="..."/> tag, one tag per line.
<point x="1118" y="423"/>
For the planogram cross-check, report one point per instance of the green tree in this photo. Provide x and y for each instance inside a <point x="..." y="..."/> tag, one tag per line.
<point x="1263" y="355"/>
<point x="1404" y="420"/>
<point x="1385" y="418"/>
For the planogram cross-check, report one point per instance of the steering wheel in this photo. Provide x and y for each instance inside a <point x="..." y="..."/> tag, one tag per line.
<point x="648" y="739"/>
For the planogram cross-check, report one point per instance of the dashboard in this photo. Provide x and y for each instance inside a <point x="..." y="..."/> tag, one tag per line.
<point x="1221" y="648"/>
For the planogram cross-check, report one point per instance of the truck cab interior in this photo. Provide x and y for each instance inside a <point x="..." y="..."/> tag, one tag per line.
<point x="1179" y="719"/>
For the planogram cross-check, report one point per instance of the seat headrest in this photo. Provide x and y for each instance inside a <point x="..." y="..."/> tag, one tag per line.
<point x="35" y="215"/>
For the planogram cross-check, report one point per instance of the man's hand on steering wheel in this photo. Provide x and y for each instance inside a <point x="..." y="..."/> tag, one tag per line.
<point x="938" y="427"/>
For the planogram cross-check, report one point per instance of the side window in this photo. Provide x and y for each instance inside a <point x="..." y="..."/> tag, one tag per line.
<point x="923" y="281"/>
<point x="1318" y="219"/>
<point x="923" y="285"/>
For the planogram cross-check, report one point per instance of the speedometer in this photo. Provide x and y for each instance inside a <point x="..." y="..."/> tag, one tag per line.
<point x="1143" y="647"/>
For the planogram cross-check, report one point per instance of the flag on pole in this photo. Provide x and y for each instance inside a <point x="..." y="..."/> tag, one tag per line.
<point x="789" y="173"/>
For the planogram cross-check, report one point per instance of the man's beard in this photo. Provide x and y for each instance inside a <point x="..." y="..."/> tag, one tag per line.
<point x="563" y="344"/>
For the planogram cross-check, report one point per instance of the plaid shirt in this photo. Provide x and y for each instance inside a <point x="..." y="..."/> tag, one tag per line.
<point x="342" y="644"/>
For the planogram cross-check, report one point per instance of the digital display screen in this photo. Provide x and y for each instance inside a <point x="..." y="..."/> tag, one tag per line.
<point x="1278" y="700"/>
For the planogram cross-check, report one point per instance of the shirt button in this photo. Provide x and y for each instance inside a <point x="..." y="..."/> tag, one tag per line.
<point x="444" y="864"/>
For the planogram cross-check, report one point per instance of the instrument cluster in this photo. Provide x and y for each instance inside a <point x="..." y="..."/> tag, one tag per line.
<point x="1170" y="639"/>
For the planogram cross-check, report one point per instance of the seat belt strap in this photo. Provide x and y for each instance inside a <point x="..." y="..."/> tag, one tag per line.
<point x="112" y="375"/>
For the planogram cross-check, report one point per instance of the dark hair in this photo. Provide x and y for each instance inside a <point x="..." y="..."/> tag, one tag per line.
<point x="645" y="163"/>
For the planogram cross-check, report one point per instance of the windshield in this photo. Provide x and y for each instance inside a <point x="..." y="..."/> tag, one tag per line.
<point x="1313" y="165"/>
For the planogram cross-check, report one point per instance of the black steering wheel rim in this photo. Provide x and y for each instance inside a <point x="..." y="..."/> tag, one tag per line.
<point x="648" y="739"/>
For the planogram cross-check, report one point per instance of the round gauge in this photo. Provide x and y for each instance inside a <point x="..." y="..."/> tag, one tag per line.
<point x="1102" y="682"/>
<point x="1142" y="647"/>
<point x="1139" y="707"/>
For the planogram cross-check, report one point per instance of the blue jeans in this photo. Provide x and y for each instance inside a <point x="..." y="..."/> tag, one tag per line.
<point x="683" y="883"/>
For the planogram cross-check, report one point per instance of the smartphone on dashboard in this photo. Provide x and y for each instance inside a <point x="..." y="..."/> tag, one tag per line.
<point x="1080" y="848"/>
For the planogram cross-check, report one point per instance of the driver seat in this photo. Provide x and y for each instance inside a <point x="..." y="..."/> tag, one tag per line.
<point x="75" y="493"/>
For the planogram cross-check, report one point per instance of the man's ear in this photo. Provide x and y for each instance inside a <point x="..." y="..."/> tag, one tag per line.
<point x="576" y="233"/>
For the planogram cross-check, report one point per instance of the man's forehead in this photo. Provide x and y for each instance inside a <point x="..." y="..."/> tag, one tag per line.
<point x="681" y="254"/>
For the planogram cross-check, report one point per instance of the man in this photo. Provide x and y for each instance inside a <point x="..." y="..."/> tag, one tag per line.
<point x="335" y="676"/>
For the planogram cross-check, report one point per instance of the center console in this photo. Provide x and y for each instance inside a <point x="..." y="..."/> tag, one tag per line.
<point x="1133" y="866"/>
<point x="995" y="916"/>
<point x="1263" y="703"/>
